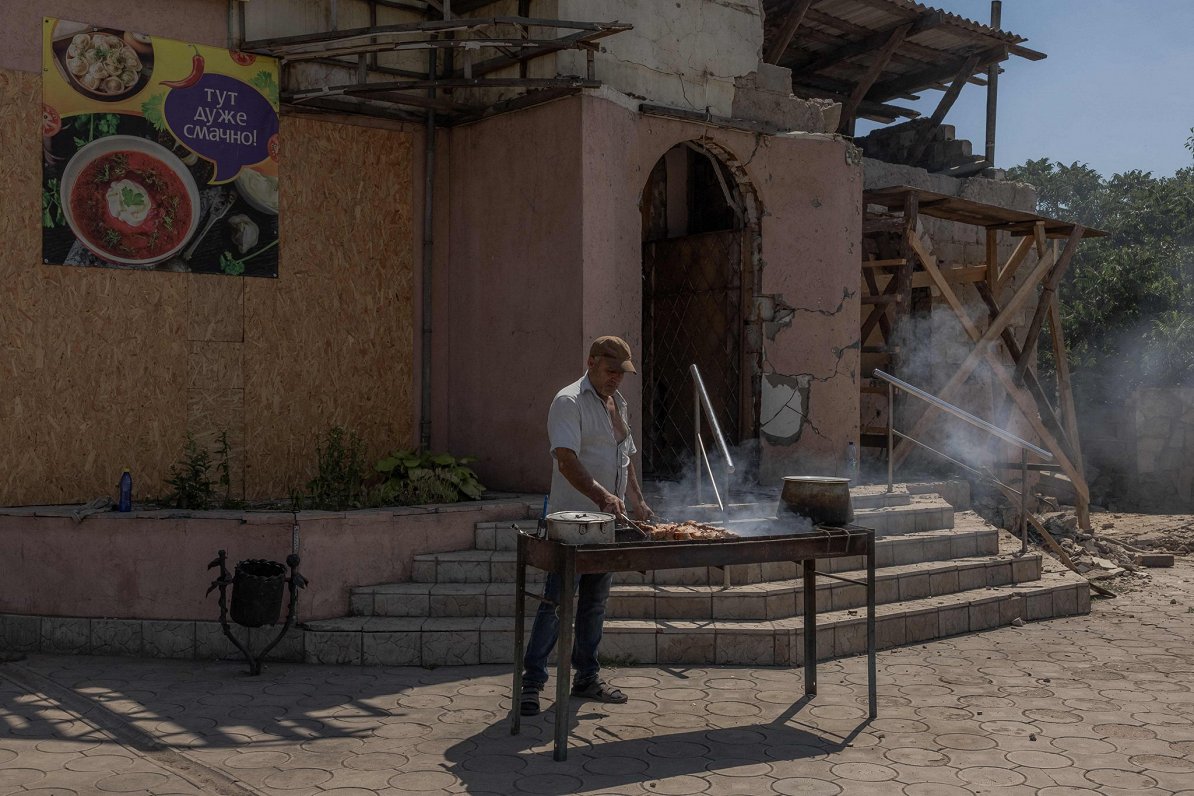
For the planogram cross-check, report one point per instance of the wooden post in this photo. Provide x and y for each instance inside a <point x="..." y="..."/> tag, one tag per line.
<point x="1065" y="401"/>
<point x="791" y="23"/>
<point x="868" y="79"/>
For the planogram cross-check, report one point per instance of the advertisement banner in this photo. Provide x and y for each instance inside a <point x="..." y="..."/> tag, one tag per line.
<point x="157" y="154"/>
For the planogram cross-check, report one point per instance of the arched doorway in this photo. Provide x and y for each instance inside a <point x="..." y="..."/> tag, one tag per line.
<point x="699" y="246"/>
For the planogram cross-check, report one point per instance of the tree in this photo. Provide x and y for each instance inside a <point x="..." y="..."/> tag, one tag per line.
<point x="1127" y="302"/>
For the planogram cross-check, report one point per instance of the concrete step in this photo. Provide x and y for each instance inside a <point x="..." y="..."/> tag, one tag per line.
<point x="443" y="641"/>
<point x="496" y="566"/>
<point x="762" y="601"/>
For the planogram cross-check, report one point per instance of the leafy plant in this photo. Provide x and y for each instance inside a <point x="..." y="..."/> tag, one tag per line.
<point x="233" y="266"/>
<point x="264" y="82"/>
<point x="190" y="481"/>
<point x="339" y="482"/>
<point x="95" y="125"/>
<point x="417" y="477"/>
<point x="153" y="109"/>
<point x="51" y="205"/>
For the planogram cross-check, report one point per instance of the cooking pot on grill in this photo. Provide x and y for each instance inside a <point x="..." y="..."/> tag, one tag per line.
<point x="581" y="527"/>
<point x="824" y="500"/>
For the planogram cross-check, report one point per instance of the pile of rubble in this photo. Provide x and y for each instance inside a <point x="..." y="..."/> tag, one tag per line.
<point x="1096" y="557"/>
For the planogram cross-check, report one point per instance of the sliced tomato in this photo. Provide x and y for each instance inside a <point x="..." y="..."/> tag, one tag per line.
<point x="51" y="122"/>
<point x="244" y="59"/>
<point x="272" y="145"/>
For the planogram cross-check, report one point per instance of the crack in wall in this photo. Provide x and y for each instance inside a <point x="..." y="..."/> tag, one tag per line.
<point x="785" y="401"/>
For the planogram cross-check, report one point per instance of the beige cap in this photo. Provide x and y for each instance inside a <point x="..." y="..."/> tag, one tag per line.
<point x="613" y="348"/>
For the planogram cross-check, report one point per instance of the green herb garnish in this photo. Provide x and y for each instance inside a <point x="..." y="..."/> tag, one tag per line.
<point x="131" y="198"/>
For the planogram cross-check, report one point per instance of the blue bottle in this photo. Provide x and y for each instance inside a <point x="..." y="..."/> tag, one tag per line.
<point x="126" y="492"/>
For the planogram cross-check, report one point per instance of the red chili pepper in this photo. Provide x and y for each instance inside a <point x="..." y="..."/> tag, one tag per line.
<point x="193" y="77"/>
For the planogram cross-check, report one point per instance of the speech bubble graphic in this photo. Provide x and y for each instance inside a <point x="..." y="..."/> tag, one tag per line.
<point x="224" y="120"/>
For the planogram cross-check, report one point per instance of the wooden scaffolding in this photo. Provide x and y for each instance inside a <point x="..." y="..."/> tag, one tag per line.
<point x="899" y="259"/>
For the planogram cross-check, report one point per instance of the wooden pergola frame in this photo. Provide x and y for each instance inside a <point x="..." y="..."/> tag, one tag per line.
<point x="888" y="287"/>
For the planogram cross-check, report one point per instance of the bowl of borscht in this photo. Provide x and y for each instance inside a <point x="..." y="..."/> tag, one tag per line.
<point x="129" y="200"/>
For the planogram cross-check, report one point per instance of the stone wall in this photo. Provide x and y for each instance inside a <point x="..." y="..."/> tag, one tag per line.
<point x="1141" y="456"/>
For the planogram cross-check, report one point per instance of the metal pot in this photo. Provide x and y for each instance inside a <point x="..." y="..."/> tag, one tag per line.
<point x="824" y="500"/>
<point x="581" y="527"/>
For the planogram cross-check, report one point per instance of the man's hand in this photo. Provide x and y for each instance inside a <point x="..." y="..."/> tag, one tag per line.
<point x="643" y="512"/>
<point x="613" y="505"/>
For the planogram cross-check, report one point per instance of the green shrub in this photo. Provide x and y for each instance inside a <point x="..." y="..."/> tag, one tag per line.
<point x="415" y="478"/>
<point x="190" y="483"/>
<point x="339" y="483"/>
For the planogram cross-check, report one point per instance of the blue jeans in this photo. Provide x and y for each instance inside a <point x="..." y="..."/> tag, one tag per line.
<point x="592" y="593"/>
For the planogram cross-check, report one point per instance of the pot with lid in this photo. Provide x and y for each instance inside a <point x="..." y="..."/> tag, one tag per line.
<point x="581" y="527"/>
<point x="824" y="500"/>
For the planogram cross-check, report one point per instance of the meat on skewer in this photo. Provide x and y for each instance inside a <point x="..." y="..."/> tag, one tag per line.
<point x="682" y="531"/>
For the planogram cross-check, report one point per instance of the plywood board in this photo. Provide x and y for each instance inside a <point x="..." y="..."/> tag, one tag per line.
<point x="330" y="342"/>
<point x="103" y="369"/>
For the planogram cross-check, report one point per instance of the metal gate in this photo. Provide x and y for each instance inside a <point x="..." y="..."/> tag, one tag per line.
<point x="692" y="312"/>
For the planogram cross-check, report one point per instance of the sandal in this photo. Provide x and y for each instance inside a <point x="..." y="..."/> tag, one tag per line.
<point x="528" y="704"/>
<point x="598" y="691"/>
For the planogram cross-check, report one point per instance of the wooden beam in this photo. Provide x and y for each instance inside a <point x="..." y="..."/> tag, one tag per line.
<point x="934" y="74"/>
<point x="872" y="74"/>
<point x="791" y="22"/>
<point x="1013" y="262"/>
<point x="878" y="313"/>
<point x="1065" y="401"/>
<point x="982" y="350"/>
<point x="926" y="21"/>
<point x="961" y="275"/>
<point x="1033" y="384"/>
<point x="1047" y="291"/>
<point x="947" y="101"/>
<point x="992" y="258"/>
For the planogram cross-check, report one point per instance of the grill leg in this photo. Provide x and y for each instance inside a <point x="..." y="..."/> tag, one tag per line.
<point x="810" y="626"/>
<point x="567" y="612"/>
<point x="871" y="689"/>
<point x="520" y="585"/>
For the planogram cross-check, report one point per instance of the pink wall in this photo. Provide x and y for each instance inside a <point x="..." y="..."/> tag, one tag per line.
<point x="202" y="21"/>
<point x="508" y="290"/>
<point x="546" y="254"/>
<point x="809" y="189"/>
<point x="148" y="566"/>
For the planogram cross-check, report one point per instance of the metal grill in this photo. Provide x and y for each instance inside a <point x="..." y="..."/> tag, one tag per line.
<point x="692" y="312"/>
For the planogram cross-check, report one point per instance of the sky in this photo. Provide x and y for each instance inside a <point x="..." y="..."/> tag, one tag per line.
<point x="1114" y="93"/>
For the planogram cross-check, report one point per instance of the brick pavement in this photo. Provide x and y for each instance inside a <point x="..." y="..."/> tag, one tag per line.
<point x="1092" y="704"/>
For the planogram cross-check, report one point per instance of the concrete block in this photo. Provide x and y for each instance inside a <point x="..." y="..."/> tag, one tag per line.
<point x="395" y="649"/>
<point x="450" y="647"/>
<point x="65" y="635"/>
<point x="686" y="645"/>
<point x="887" y="589"/>
<point x="21" y="633"/>
<point x="740" y="648"/>
<point x="1082" y="596"/>
<point x="1065" y="602"/>
<point x="849" y="638"/>
<point x="360" y="604"/>
<point x="1013" y="607"/>
<point x="780" y="604"/>
<point x="212" y="644"/>
<point x="402" y="604"/>
<point x="915" y="586"/>
<point x="922" y="625"/>
<point x="167" y="639"/>
<point x="332" y="647"/>
<point x="116" y="637"/>
<point x="289" y="647"/>
<point x="639" y="604"/>
<point x="984" y="615"/>
<point x="999" y="573"/>
<point x="890" y="631"/>
<point x="954" y="620"/>
<point x="633" y="645"/>
<point x="1154" y="559"/>
<point x="943" y="582"/>
<point x="1026" y="569"/>
<point x="972" y="576"/>
<point x="1039" y="606"/>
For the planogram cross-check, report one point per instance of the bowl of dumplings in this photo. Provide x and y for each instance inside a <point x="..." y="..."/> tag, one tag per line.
<point x="105" y="65"/>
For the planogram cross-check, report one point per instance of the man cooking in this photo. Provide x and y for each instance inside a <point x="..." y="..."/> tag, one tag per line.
<point x="589" y="435"/>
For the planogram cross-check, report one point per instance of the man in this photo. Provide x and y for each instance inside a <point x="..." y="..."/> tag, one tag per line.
<point x="589" y="435"/>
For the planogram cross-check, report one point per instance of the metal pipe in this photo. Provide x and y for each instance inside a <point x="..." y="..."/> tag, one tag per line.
<point x="428" y="263"/>
<point x="992" y="89"/>
<point x="962" y="414"/>
<point x="712" y="480"/>
<point x="1023" y="502"/>
<point x="871" y="687"/>
<point x="696" y="440"/>
<point x="890" y="435"/>
<point x="718" y="437"/>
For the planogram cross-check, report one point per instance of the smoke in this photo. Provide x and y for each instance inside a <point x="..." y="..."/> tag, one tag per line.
<point x="747" y="508"/>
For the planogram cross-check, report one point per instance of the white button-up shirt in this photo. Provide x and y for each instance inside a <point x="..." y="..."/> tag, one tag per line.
<point x="579" y="420"/>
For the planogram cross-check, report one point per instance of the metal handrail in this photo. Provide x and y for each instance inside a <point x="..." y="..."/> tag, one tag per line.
<point x="702" y="404"/>
<point x="1025" y="446"/>
<point x="977" y="422"/>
